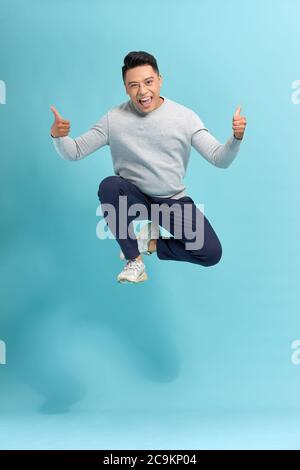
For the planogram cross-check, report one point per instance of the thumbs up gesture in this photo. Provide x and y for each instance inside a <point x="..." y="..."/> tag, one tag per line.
<point x="60" y="127"/>
<point x="238" y="124"/>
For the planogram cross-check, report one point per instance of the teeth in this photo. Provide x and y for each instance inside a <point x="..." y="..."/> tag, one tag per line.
<point x="146" y="99"/>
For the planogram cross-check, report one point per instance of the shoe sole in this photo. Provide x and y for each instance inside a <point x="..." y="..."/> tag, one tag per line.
<point x="143" y="277"/>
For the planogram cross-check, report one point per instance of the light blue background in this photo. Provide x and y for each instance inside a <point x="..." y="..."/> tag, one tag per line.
<point x="196" y="357"/>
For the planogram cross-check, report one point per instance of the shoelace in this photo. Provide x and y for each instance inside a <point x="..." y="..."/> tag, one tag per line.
<point x="132" y="264"/>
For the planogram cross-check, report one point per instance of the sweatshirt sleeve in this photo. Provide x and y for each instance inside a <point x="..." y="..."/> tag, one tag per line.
<point x="220" y="155"/>
<point x="85" y="144"/>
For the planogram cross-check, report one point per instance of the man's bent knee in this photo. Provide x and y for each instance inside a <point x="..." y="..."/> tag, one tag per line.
<point x="109" y="184"/>
<point x="215" y="255"/>
<point x="209" y="257"/>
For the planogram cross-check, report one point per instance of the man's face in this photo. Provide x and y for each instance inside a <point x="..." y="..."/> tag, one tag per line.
<point x="143" y="82"/>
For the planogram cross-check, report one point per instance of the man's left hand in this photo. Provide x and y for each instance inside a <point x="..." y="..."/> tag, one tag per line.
<point x="238" y="124"/>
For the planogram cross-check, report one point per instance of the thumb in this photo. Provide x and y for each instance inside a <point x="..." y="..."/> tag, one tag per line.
<point x="237" y="112"/>
<point x="56" y="113"/>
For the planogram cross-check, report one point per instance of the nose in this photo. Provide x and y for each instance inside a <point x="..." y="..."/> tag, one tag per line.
<point x="142" y="90"/>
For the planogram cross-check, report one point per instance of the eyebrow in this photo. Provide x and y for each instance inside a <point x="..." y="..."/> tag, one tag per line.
<point x="143" y="80"/>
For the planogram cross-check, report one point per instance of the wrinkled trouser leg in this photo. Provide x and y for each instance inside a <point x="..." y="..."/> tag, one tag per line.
<point x="205" y="250"/>
<point x="110" y="190"/>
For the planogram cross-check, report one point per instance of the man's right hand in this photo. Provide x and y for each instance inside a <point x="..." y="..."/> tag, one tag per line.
<point x="60" y="127"/>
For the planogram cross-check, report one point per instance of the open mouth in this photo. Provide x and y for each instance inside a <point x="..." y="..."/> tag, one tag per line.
<point x="146" y="102"/>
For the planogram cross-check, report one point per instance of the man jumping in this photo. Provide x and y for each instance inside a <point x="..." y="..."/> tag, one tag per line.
<point x="150" y="139"/>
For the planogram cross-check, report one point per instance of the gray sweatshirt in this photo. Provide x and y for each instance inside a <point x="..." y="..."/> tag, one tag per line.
<point x="151" y="149"/>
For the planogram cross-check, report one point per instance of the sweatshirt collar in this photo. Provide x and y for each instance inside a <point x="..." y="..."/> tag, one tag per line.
<point x="144" y="113"/>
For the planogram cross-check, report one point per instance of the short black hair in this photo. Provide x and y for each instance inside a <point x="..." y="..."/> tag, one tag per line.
<point x="136" y="58"/>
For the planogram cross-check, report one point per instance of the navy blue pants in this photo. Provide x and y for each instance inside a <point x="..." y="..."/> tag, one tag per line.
<point x="110" y="190"/>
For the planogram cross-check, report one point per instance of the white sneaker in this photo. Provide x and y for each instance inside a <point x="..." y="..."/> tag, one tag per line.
<point x="149" y="231"/>
<point x="134" y="271"/>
